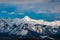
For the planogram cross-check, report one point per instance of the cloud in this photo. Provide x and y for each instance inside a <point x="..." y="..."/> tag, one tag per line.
<point x="41" y="11"/>
<point x="3" y="11"/>
<point x="11" y="13"/>
<point x="30" y="7"/>
<point x="20" y="13"/>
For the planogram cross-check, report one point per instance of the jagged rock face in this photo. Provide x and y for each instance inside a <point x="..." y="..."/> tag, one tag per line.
<point x="22" y="26"/>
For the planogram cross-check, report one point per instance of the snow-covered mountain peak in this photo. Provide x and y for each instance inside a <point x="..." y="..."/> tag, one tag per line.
<point x="27" y="18"/>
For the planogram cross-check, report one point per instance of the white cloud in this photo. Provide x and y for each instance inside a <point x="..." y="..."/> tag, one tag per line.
<point x="20" y="13"/>
<point x="12" y="13"/>
<point x="30" y="7"/>
<point x="3" y="11"/>
<point x="41" y="11"/>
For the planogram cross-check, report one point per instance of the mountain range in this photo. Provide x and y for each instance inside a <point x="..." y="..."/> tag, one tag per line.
<point x="27" y="25"/>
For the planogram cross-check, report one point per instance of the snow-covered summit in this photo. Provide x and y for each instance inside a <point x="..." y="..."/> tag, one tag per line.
<point x="26" y="18"/>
